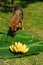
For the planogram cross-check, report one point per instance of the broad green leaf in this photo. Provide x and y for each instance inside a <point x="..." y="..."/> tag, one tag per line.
<point x="35" y="46"/>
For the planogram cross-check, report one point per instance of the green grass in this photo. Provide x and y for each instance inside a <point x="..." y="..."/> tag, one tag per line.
<point x="33" y="23"/>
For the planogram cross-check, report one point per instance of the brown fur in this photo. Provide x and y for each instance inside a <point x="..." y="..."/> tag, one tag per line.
<point x="16" y="21"/>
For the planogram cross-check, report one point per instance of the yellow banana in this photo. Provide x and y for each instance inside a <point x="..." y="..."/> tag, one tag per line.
<point x="15" y="49"/>
<point x="19" y="47"/>
<point x="26" y="50"/>
<point x="16" y="44"/>
<point x="24" y="46"/>
<point x="22" y="49"/>
<point x="11" y="49"/>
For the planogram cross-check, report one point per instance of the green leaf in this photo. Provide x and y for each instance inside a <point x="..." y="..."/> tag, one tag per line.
<point x="35" y="46"/>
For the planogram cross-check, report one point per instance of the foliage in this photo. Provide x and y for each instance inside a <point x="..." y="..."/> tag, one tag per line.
<point x="33" y="19"/>
<point x="35" y="46"/>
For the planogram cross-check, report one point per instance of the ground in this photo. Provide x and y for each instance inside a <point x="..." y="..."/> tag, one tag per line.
<point x="33" y="24"/>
